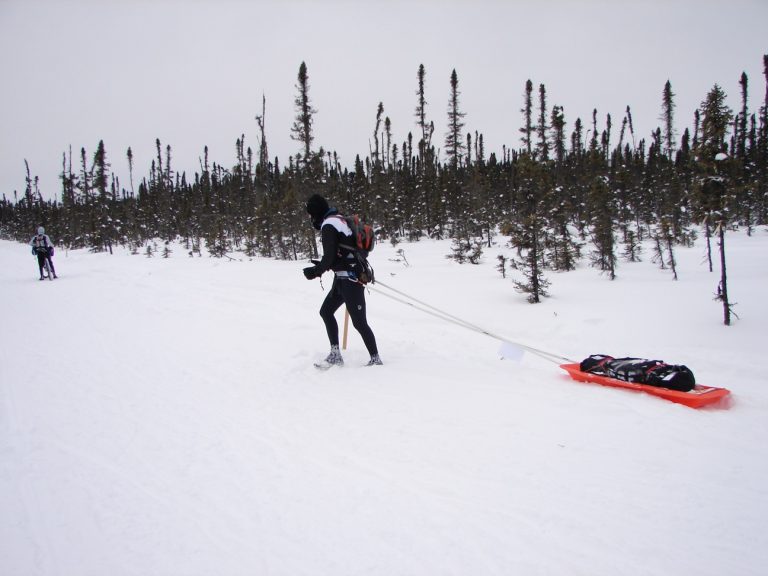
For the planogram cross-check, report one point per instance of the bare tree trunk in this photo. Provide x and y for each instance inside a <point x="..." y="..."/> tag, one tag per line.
<point x="672" y="263"/>
<point x="708" y="235"/>
<point x="723" y="279"/>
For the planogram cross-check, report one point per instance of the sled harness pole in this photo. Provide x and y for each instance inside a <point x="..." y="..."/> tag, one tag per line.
<point x="429" y="309"/>
<point x="346" y="328"/>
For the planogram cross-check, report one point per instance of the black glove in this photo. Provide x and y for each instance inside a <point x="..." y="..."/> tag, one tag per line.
<point x="311" y="272"/>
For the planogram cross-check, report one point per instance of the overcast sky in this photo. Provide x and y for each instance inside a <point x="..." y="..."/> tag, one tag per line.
<point x="193" y="72"/>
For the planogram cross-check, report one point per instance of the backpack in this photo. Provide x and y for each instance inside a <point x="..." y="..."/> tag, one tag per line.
<point x="363" y="241"/>
<point x="641" y="371"/>
<point x="363" y="235"/>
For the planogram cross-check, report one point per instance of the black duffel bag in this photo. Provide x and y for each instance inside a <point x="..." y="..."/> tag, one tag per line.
<point x="641" y="371"/>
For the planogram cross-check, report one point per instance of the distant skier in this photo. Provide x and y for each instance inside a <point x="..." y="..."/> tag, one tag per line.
<point x="42" y="247"/>
<point x="345" y="289"/>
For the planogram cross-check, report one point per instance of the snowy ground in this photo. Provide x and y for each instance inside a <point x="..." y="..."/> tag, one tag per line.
<point x="162" y="417"/>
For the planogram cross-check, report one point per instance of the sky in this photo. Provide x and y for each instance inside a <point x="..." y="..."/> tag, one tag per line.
<point x="193" y="73"/>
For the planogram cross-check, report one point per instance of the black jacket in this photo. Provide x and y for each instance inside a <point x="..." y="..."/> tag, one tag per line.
<point x="335" y="234"/>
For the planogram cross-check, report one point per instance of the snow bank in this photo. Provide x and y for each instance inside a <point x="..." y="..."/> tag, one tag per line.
<point x="162" y="417"/>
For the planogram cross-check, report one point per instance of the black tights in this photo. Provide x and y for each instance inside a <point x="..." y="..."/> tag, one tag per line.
<point x="352" y="294"/>
<point x="41" y="258"/>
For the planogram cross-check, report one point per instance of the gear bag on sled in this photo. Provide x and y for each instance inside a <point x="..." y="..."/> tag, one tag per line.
<point x="641" y="371"/>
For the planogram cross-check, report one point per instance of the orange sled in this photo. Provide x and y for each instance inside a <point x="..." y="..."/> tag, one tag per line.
<point x="696" y="398"/>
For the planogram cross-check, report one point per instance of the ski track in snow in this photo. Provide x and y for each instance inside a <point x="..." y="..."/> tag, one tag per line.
<point x="163" y="417"/>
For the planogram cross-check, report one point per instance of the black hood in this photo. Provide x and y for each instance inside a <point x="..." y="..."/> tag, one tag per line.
<point x="318" y="208"/>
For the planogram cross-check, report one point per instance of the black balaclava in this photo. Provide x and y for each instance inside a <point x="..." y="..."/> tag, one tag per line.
<point x="318" y="208"/>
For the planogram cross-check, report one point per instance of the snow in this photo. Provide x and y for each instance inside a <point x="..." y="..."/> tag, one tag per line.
<point x="162" y="417"/>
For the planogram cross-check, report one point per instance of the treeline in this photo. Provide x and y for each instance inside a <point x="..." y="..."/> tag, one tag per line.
<point x="560" y="189"/>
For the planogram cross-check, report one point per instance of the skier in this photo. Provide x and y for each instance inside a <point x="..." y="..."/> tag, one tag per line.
<point x="42" y="247"/>
<point x="345" y="289"/>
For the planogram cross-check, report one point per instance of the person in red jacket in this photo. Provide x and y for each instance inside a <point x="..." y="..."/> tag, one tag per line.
<point x="335" y="235"/>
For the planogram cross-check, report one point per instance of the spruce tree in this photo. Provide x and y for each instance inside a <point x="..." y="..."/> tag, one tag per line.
<point x="542" y="128"/>
<point x="667" y="117"/>
<point x="631" y="126"/>
<point x="528" y="231"/>
<point x="421" y="114"/>
<point x="527" y="112"/>
<point x="716" y="119"/>
<point x="301" y="131"/>
<point x="741" y="123"/>
<point x="376" y="129"/>
<point x="129" y="156"/>
<point x="603" y="210"/>
<point x="714" y="165"/>
<point x="593" y="142"/>
<point x="577" y="144"/>
<point x="557" y="124"/>
<point x="743" y="180"/>
<point x="426" y="204"/>
<point x="100" y="170"/>
<point x="454" y="144"/>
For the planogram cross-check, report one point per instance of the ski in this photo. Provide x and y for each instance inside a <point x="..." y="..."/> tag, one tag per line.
<point x="325" y="365"/>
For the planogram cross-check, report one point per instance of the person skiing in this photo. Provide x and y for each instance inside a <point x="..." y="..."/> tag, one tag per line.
<point x="335" y="235"/>
<point x="42" y="247"/>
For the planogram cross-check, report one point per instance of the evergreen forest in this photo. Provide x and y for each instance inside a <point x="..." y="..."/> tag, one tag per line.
<point x="564" y="192"/>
